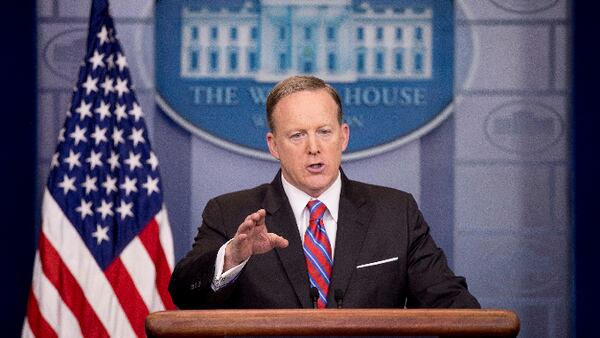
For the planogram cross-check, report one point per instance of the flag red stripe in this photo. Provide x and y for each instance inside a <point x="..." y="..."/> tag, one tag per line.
<point x="39" y="326"/>
<point x="150" y="237"/>
<point x="71" y="293"/>
<point x="132" y="303"/>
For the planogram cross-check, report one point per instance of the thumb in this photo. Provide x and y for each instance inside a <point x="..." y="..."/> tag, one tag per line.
<point x="277" y="241"/>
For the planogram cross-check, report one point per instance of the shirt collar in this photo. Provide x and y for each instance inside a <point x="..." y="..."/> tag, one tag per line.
<point x="298" y="198"/>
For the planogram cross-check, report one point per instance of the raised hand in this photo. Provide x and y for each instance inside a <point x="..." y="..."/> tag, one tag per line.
<point x="251" y="238"/>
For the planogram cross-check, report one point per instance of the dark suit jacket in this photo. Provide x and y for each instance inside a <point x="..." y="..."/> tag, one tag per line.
<point x="374" y="223"/>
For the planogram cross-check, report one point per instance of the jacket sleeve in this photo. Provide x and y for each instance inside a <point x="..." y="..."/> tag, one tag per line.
<point x="190" y="284"/>
<point x="432" y="284"/>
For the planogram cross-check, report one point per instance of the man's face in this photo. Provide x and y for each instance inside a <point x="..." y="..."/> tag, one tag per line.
<point x="308" y="140"/>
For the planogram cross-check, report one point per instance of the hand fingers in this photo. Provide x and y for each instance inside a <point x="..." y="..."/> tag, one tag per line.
<point x="259" y="217"/>
<point x="245" y="227"/>
<point x="253" y="220"/>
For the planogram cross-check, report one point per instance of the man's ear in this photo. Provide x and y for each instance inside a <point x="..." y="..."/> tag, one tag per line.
<point x="272" y="145"/>
<point x="345" y="135"/>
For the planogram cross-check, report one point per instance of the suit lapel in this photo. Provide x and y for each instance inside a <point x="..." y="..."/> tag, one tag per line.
<point x="353" y="218"/>
<point x="280" y="220"/>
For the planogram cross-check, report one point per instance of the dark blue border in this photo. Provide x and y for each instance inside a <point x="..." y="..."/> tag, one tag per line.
<point x="18" y="169"/>
<point x="586" y="168"/>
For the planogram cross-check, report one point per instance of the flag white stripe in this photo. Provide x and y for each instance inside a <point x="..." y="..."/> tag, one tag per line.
<point x="26" y="332"/>
<point x="76" y="256"/>
<point x="66" y="324"/>
<point x="157" y="304"/>
<point x="136" y="260"/>
<point x="50" y="304"/>
<point x="166" y="237"/>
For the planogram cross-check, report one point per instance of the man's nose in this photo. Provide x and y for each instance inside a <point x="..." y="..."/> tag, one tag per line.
<point x="313" y="145"/>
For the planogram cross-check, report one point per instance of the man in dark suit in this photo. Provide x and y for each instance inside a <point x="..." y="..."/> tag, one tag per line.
<point x="312" y="237"/>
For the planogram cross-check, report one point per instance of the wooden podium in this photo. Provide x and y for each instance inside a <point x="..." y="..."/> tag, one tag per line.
<point x="333" y="322"/>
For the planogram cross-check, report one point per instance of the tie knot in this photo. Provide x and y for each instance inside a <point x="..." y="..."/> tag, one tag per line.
<point x="316" y="209"/>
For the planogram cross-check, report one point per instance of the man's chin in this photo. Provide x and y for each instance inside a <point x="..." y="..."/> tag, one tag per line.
<point x="317" y="188"/>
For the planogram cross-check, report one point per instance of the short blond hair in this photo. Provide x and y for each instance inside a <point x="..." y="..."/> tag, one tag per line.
<point x="296" y="84"/>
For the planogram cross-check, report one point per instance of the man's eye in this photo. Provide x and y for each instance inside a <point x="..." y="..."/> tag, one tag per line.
<point x="325" y="131"/>
<point x="296" y="136"/>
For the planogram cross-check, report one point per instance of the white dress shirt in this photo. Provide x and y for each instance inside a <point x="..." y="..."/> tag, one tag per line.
<point x="298" y="200"/>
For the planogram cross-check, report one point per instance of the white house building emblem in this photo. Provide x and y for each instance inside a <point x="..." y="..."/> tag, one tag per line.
<point x="391" y="62"/>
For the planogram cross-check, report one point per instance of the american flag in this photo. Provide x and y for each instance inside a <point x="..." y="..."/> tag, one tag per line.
<point x="105" y="250"/>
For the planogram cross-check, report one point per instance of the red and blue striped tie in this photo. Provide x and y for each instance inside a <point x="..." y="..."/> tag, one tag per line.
<point x="317" y="250"/>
